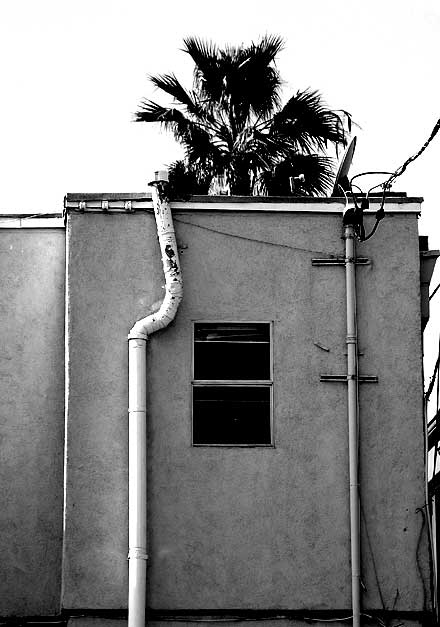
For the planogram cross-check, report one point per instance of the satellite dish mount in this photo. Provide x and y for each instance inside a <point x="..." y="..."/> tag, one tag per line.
<point x="353" y="214"/>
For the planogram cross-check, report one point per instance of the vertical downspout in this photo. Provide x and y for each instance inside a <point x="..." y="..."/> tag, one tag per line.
<point x="137" y="482"/>
<point x="353" y="427"/>
<point x="137" y="392"/>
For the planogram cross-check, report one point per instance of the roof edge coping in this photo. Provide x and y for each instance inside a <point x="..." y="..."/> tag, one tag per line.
<point x="399" y="197"/>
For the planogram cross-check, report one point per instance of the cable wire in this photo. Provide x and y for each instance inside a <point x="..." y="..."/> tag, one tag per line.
<point x="425" y="515"/>
<point x="403" y="167"/>
<point x="438" y="379"/>
<point x="373" y="561"/>
<point x="388" y="183"/>
<point x="259" y="241"/>
<point x="434" y="292"/>
<point x="4" y="221"/>
<point x="433" y="379"/>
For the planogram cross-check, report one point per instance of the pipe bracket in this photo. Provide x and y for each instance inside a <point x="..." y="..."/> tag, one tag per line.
<point x="137" y="554"/>
<point x="340" y="261"/>
<point x="343" y="378"/>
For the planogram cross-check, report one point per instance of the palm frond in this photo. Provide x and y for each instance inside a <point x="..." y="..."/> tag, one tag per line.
<point x="307" y="123"/>
<point x="268" y="48"/>
<point x="169" y="117"/>
<point x="200" y="51"/>
<point x="208" y="82"/>
<point x="261" y="80"/>
<point x="193" y="137"/>
<point x="317" y="170"/>
<point x="170" y="85"/>
<point x="186" y="181"/>
<point x="152" y="112"/>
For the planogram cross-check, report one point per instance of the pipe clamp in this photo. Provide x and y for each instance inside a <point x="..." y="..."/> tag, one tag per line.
<point x="137" y="554"/>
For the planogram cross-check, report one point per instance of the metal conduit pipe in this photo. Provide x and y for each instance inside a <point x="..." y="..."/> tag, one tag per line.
<point x="353" y="424"/>
<point x="137" y="393"/>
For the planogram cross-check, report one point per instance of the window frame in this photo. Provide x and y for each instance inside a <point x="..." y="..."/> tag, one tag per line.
<point x="267" y="383"/>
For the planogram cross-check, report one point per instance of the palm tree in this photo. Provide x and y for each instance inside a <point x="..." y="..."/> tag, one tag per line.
<point x="233" y="126"/>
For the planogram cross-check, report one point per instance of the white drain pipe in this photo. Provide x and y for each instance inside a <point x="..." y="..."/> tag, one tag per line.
<point x="137" y="399"/>
<point x="353" y="427"/>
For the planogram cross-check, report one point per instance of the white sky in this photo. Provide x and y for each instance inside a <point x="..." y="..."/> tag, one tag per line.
<point x="74" y="71"/>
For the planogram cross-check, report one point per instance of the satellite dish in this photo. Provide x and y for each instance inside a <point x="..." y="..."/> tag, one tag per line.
<point x="341" y="181"/>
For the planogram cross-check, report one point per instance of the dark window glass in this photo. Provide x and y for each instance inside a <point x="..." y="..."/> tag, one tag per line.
<point x="232" y="351"/>
<point x="231" y="415"/>
<point x="228" y="412"/>
<point x="234" y="331"/>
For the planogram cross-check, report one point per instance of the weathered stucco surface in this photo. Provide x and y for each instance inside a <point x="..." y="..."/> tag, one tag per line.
<point x="233" y="527"/>
<point x="31" y="420"/>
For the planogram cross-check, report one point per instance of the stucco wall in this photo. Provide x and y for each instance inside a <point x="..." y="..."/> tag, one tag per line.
<point x="246" y="528"/>
<point x="32" y="420"/>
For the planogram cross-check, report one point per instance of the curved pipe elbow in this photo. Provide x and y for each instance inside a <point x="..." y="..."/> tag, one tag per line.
<point x="171" y="267"/>
<point x="161" y="318"/>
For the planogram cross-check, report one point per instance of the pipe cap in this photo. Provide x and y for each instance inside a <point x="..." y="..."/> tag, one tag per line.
<point x="160" y="176"/>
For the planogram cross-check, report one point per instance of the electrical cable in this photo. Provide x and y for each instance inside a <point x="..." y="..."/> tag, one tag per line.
<point x="388" y="183"/>
<point x="259" y="241"/>
<point x="374" y="187"/>
<point x="428" y="499"/>
<point x="357" y="187"/>
<point x="434" y="292"/>
<point x="376" y="575"/>
<point x="344" y="192"/>
<point x="428" y="507"/>
<point x="369" y="172"/>
<point x="4" y="222"/>
<point x="427" y="514"/>
<point x="400" y="170"/>
<point x="433" y="379"/>
<point x="419" y="567"/>
<point x="438" y="380"/>
<point x="380" y="213"/>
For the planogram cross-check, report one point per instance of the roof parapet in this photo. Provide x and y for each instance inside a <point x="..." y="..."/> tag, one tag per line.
<point x="134" y="202"/>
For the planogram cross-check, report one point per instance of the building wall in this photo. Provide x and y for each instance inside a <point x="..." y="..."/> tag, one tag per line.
<point x="32" y="419"/>
<point x="246" y="528"/>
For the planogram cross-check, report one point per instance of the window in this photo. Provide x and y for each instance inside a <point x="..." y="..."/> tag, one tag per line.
<point x="232" y="384"/>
